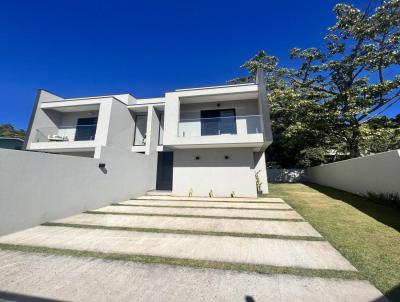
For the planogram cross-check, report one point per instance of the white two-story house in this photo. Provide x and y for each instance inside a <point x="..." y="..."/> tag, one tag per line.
<point x="207" y="141"/>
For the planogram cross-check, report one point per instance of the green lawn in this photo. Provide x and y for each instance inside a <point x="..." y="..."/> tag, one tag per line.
<point x="367" y="234"/>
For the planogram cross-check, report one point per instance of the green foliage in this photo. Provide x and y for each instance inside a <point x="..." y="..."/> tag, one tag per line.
<point x="8" y="130"/>
<point x="380" y="134"/>
<point x="322" y="110"/>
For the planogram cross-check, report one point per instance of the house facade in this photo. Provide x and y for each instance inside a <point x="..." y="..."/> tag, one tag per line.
<point x="208" y="140"/>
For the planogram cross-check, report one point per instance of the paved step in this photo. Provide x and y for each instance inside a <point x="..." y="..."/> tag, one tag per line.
<point x="252" y="200"/>
<point x="184" y="203"/>
<point x="261" y="251"/>
<point x="159" y="193"/>
<point x="87" y="279"/>
<point x="275" y="214"/>
<point x="282" y="228"/>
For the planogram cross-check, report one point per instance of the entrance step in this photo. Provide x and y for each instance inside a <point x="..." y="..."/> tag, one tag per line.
<point x="159" y="193"/>
<point x="235" y="199"/>
<point x="286" y="214"/>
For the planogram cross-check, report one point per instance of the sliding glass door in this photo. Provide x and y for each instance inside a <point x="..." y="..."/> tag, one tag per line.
<point x="216" y="122"/>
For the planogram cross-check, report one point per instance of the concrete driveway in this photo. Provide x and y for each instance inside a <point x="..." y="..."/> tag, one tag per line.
<point x="161" y="248"/>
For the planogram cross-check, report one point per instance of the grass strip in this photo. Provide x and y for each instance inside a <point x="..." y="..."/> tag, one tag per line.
<point x="233" y="201"/>
<point x="264" y="269"/>
<point x="184" y="232"/>
<point x="192" y="207"/>
<point x="193" y="216"/>
<point x="364" y="232"/>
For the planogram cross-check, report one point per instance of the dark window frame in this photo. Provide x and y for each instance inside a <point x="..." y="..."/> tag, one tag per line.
<point x="79" y="136"/>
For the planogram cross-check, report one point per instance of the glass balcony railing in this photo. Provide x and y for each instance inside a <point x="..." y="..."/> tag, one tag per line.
<point x="230" y="125"/>
<point x="66" y="133"/>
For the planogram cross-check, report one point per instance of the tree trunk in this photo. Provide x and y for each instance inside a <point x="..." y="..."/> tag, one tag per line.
<point x="354" y="142"/>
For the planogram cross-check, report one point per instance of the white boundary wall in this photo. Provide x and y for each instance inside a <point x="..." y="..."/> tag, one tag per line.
<point x="378" y="173"/>
<point x="39" y="187"/>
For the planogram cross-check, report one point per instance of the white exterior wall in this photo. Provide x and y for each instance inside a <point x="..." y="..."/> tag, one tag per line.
<point x="121" y="127"/>
<point x="38" y="187"/>
<point x="261" y="165"/>
<point x="379" y="173"/>
<point x="214" y="172"/>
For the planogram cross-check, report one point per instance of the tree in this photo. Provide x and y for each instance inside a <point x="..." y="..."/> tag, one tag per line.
<point x="8" y="130"/>
<point x="380" y="134"/>
<point x="323" y="104"/>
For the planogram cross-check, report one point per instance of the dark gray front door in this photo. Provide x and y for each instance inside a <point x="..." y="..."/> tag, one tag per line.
<point x="164" y="170"/>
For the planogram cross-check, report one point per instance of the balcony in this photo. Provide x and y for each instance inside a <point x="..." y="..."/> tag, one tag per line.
<point x="66" y="133"/>
<point x="65" y="137"/>
<point x="224" y="126"/>
<point x="219" y="132"/>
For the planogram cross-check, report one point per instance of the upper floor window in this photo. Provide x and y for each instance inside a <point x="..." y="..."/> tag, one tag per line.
<point x="216" y="122"/>
<point x="86" y="129"/>
<point x="140" y="130"/>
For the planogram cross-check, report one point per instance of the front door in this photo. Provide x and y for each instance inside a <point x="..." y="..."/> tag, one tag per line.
<point x="164" y="170"/>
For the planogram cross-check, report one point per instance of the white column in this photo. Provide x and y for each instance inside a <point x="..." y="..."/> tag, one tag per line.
<point x="171" y="118"/>
<point x="153" y="125"/>
<point x="263" y="108"/>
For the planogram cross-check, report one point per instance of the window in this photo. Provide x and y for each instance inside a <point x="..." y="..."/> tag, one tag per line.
<point x="86" y="129"/>
<point x="140" y="130"/>
<point x="216" y="122"/>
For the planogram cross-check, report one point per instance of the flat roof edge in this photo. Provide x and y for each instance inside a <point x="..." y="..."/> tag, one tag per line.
<point x="215" y="87"/>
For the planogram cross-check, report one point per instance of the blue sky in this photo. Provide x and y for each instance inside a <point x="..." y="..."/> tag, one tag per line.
<point x="85" y="48"/>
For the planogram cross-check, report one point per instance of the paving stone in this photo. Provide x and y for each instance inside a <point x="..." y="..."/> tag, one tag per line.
<point x="283" y="228"/>
<point x="252" y="200"/>
<point x="274" y="214"/>
<point x="184" y="203"/>
<point x="264" y="251"/>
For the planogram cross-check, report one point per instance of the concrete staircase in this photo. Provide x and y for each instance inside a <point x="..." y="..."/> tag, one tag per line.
<point x="158" y="193"/>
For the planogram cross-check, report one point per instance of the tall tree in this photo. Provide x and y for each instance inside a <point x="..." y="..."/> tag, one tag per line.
<point x="340" y="86"/>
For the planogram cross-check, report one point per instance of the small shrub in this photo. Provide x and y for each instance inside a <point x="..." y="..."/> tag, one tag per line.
<point x="388" y="199"/>
<point x="258" y="181"/>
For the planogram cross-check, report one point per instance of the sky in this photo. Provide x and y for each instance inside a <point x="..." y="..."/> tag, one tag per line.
<point x="145" y="48"/>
